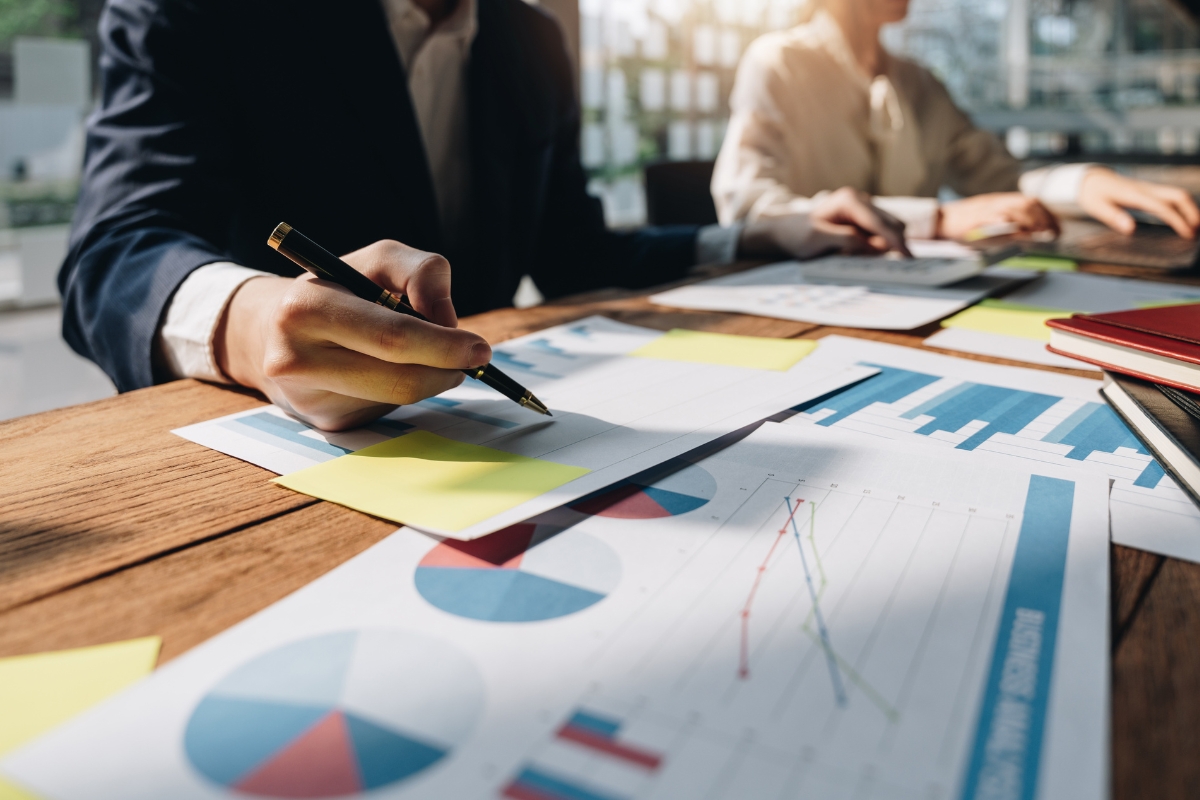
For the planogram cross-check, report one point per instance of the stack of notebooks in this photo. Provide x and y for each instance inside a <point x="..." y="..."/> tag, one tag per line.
<point x="1156" y="344"/>
<point x="1166" y="420"/>
<point x="1152" y="361"/>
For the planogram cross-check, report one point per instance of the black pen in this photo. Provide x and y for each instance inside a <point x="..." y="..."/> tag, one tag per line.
<point x="326" y="266"/>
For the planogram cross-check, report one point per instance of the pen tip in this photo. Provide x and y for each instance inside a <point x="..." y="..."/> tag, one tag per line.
<point x="533" y="404"/>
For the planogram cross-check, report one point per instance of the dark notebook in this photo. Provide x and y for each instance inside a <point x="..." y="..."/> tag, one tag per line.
<point x="1168" y="429"/>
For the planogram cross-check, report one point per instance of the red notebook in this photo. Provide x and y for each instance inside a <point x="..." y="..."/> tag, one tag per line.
<point x="1156" y="344"/>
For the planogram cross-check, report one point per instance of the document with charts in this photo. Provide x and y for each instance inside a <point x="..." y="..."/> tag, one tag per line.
<point x="615" y="412"/>
<point x="781" y="290"/>
<point x="804" y="614"/>
<point x="1030" y="416"/>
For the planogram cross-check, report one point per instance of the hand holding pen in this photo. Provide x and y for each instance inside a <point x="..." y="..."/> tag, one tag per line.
<point x="337" y="361"/>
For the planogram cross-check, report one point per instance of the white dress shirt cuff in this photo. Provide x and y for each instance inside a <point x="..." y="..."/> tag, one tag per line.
<point x="717" y="244"/>
<point x="186" y="335"/>
<point x="919" y="214"/>
<point x="1057" y="186"/>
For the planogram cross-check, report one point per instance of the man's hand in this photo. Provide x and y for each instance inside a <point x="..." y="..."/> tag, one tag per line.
<point x="1026" y="213"/>
<point x="844" y="221"/>
<point x="337" y="361"/>
<point x="1105" y="195"/>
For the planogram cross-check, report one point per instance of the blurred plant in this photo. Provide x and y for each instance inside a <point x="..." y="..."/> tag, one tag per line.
<point x="37" y="18"/>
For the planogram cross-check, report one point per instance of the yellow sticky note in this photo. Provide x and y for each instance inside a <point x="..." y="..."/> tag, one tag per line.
<point x="1008" y="319"/>
<point x="430" y="481"/>
<point x="1040" y="263"/>
<point x="1178" y="301"/>
<point x="755" y="352"/>
<point x="40" y="691"/>
<point x="10" y="791"/>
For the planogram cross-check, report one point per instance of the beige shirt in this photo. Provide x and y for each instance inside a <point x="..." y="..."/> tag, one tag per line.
<point x="806" y="118"/>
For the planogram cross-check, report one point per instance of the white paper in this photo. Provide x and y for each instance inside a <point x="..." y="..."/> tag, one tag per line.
<point x="662" y="687"/>
<point x="1069" y="291"/>
<point x="999" y="345"/>
<point x="1029" y="416"/>
<point x="613" y="414"/>
<point x="782" y="291"/>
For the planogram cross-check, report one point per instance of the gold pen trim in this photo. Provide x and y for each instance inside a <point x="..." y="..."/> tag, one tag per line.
<point x="388" y="300"/>
<point x="278" y="235"/>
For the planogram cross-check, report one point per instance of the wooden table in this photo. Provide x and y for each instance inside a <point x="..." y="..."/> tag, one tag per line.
<point x="111" y="528"/>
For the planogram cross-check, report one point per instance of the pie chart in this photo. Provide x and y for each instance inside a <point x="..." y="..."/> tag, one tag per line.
<point x="674" y="488"/>
<point x="335" y="715"/>
<point x="537" y="570"/>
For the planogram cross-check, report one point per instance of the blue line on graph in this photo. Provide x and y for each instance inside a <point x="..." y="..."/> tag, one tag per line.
<point x="1151" y="475"/>
<point x="451" y="407"/>
<point x="282" y="433"/>
<point x="1092" y="428"/>
<point x="1003" y="410"/>
<point x="581" y="330"/>
<point x="542" y="784"/>
<point x="545" y="346"/>
<point x="1100" y="431"/>
<point x="510" y="362"/>
<point x="888" y="386"/>
<point x="835" y="675"/>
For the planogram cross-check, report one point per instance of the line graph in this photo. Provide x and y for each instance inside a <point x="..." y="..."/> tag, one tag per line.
<point x="839" y="690"/>
<point x="831" y="658"/>
<point x="848" y="666"/>
<point x="744" y="656"/>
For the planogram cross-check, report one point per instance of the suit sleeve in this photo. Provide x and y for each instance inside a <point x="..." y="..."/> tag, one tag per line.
<point x="156" y="176"/>
<point x="575" y="251"/>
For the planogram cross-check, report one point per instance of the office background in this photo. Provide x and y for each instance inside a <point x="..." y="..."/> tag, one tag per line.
<point x="1099" y="80"/>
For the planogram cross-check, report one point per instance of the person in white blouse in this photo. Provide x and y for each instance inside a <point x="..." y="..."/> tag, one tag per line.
<point x="824" y="105"/>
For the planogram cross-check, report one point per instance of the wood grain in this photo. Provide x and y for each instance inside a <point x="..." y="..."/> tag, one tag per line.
<point x="96" y="487"/>
<point x="194" y="593"/>
<point x="1156" y="688"/>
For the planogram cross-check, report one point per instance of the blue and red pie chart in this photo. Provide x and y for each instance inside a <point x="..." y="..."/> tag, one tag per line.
<point x="546" y="568"/>
<point x="335" y="715"/>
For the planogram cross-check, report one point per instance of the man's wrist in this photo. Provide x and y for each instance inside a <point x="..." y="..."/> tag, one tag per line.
<point x="185" y="338"/>
<point x="238" y="340"/>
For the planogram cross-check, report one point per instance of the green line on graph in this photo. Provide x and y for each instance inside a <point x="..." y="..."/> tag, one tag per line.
<point x="870" y="691"/>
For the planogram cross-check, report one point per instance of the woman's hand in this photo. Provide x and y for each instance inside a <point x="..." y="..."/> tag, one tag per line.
<point x="1025" y="214"/>
<point x="844" y="221"/>
<point x="1105" y="195"/>
<point x="337" y="361"/>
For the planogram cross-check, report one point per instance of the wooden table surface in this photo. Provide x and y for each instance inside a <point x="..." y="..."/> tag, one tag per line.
<point x="112" y="527"/>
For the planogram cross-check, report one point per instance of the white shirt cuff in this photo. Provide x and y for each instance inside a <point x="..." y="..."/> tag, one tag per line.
<point x="186" y="335"/>
<point x="717" y="244"/>
<point x="1057" y="186"/>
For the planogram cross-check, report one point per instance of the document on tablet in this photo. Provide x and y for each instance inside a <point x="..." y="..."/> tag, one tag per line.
<point x="624" y="398"/>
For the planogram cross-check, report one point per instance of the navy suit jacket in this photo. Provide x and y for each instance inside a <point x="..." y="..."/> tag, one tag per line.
<point x="221" y="118"/>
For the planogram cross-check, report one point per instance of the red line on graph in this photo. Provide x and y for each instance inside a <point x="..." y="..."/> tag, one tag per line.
<point x="643" y="758"/>
<point x="744" y="658"/>
<point x="519" y="791"/>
